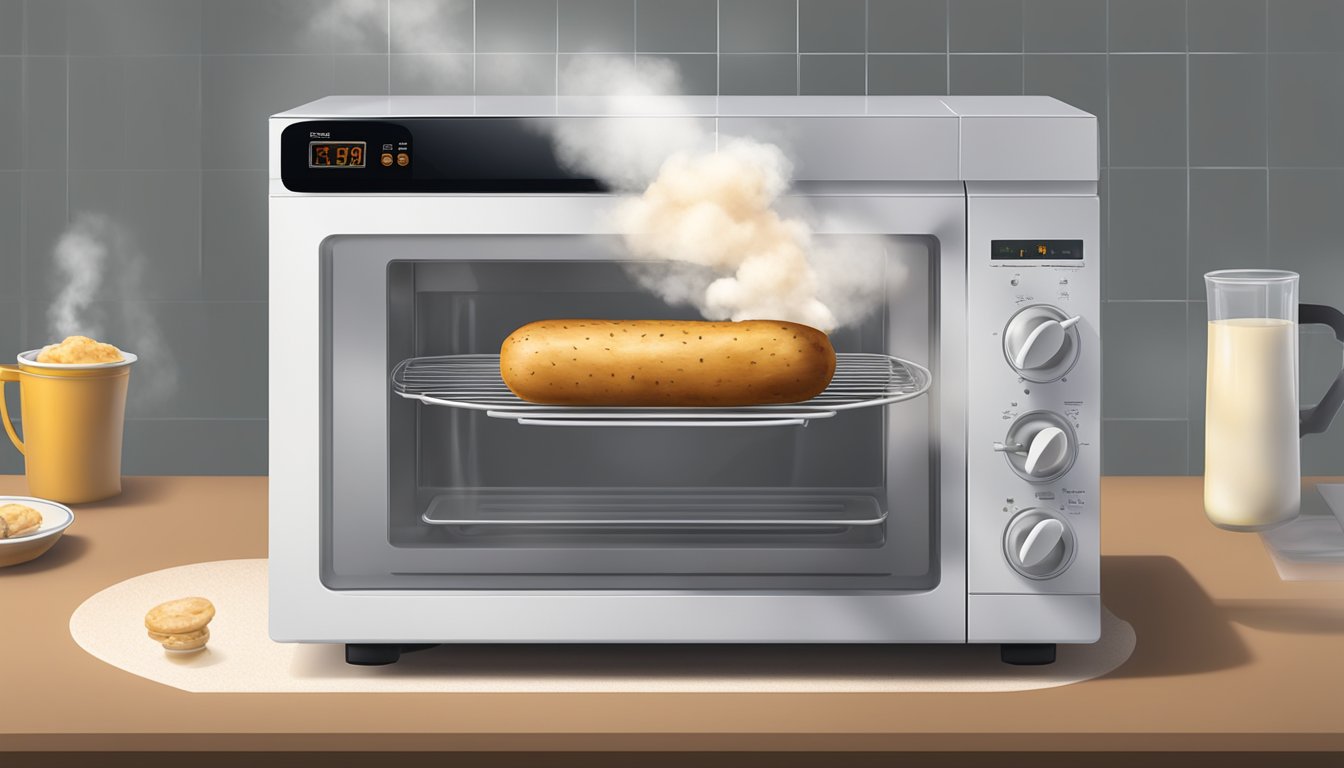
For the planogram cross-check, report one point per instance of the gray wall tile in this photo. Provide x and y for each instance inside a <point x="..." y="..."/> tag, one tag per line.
<point x="1306" y="25"/>
<point x="1323" y="454"/>
<point x="360" y="73"/>
<point x="1228" y="226"/>
<point x="1146" y="254"/>
<point x="698" y="73"/>
<point x="159" y="213"/>
<point x="240" y="92"/>
<point x="163" y="112"/>
<point x="44" y="112"/>
<point x="1070" y="26"/>
<point x="832" y="26"/>
<point x="986" y="74"/>
<point x="515" y="74"/>
<point x="44" y="23"/>
<point x="11" y="116"/>
<point x="265" y="26"/>
<point x="1144" y="359"/>
<point x="606" y="26"/>
<point x="758" y="73"/>
<point x="1147" y="110"/>
<point x="11" y="239"/>
<point x="1143" y="447"/>
<point x="907" y="26"/>
<point x="441" y="26"/>
<point x="1304" y="216"/>
<point x="907" y="75"/>
<point x="43" y="219"/>
<point x="1319" y="357"/>
<point x="573" y="81"/>
<point x="1078" y="80"/>
<point x="1147" y="25"/>
<point x="1227" y="109"/>
<point x="832" y="75"/>
<point x="758" y="26"/>
<point x="1306" y="109"/>
<point x="135" y="27"/>
<point x="435" y="73"/>
<point x="985" y="25"/>
<point x="234" y="235"/>
<point x="1227" y="25"/>
<point x="11" y="28"/>
<point x="676" y="26"/>
<point x="194" y="447"/>
<point x="97" y="130"/>
<point x="515" y="26"/>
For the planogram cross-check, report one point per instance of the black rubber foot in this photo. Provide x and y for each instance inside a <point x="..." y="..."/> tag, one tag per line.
<point x="379" y="654"/>
<point x="1027" y="654"/>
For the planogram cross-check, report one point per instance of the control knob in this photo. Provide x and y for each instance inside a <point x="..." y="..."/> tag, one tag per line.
<point x="1038" y="543"/>
<point x="1040" y="446"/>
<point x="1041" y="342"/>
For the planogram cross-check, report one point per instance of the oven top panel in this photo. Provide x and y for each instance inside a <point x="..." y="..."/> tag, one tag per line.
<point x="359" y="144"/>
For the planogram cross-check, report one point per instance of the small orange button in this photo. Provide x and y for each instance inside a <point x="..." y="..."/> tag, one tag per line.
<point x="387" y="158"/>
<point x="403" y="159"/>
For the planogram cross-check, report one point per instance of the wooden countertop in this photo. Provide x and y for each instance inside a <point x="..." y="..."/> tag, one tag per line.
<point x="1229" y="657"/>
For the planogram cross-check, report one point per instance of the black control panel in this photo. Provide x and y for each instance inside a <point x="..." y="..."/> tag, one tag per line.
<point x="448" y="154"/>
<point x="1036" y="250"/>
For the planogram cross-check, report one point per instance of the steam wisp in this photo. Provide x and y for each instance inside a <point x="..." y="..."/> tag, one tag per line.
<point x="97" y="260"/>
<point x="707" y="217"/>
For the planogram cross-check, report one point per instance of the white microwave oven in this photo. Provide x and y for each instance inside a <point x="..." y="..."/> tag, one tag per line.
<point x="413" y="501"/>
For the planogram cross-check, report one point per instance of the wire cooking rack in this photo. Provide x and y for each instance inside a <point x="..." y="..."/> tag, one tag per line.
<point x="862" y="380"/>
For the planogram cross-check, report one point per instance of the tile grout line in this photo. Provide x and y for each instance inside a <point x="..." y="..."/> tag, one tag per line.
<point x="947" y="51"/>
<point x="867" y="15"/>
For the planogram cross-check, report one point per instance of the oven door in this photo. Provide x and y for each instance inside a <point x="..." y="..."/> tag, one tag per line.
<point x="435" y="499"/>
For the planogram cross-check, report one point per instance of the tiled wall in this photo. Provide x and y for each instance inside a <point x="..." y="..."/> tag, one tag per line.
<point x="1222" y="128"/>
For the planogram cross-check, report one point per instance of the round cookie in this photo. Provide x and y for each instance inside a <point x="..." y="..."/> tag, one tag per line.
<point x="178" y="617"/>
<point x="187" y="641"/>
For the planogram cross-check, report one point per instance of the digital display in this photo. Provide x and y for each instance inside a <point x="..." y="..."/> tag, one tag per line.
<point x="1036" y="250"/>
<point x="336" y="154"/>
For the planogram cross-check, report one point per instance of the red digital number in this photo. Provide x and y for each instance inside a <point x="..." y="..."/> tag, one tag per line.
<point x="342" y="155"/>
<point x="357" y="155"/>
<point x="322" y="155"/>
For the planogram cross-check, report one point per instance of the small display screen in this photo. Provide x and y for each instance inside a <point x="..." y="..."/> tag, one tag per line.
<point x="336" y="154"/>
<point x="1036" y="250"/>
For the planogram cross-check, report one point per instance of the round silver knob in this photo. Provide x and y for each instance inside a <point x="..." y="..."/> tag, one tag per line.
<point x="1040" y="342"/>
<point x="1038" y="543"/>
<point x="1040" y="446"/>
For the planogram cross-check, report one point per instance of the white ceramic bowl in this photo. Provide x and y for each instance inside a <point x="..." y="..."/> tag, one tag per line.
<point x="55" y="519"/>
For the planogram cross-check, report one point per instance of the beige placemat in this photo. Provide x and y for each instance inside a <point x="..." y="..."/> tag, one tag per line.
<point x="241" y="658"/>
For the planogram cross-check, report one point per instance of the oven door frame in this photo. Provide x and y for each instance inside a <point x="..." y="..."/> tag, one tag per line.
<point x="302" y="609"/>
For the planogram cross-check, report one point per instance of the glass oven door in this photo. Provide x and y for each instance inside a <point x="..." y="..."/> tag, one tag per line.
<point x="446" y="492"/>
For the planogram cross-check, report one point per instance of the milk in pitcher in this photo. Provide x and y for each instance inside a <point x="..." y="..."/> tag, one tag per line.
<point x="1251" y="457"/>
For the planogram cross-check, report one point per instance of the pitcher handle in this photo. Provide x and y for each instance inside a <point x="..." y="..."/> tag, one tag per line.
<point x="9" y="373"/>
<point x="1317" y="419"/>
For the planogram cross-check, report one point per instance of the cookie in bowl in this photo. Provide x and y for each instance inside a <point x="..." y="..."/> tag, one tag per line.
<point x="29" y="527"/>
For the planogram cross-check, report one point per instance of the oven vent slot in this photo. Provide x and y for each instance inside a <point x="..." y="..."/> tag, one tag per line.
<point x="862" y="380"/>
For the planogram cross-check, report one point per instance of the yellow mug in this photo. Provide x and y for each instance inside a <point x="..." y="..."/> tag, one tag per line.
<point x="72" y="425"/>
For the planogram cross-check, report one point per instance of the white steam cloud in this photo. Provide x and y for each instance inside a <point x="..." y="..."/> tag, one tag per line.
<point x="707" y="217"/>
<point x="95" y="260"/>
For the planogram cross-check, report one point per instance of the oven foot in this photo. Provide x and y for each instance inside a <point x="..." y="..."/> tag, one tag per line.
<point x="1027" y="654"/>
<point x="379" y="654"/>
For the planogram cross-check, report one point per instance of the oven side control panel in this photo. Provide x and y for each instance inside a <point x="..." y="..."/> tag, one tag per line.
<point x="1034" y="405"/>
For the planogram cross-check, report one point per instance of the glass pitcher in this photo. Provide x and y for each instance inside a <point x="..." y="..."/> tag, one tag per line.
<point x="1252" y="462"/>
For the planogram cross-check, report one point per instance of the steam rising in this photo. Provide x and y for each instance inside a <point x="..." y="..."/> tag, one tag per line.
<point x="422" y="26"/>
<point x="708" y="217"/>
<point x="96" y="259"/>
